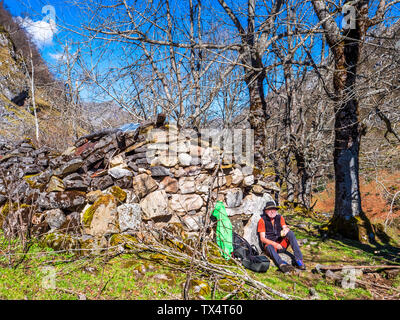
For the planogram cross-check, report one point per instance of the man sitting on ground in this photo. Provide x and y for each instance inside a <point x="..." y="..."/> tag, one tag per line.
<point x="276" y="236"/>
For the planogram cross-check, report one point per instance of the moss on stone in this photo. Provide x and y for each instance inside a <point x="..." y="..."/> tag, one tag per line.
<point x="27" y="177"/>
<point x="5" y="210"/>
<point x="55" y="184"/>
<point x="89" y="212"/>
<point x="123" y="239"/>
<point x="200" y="287"/>
<point x="303" y="211"/>
<point x="41" y="103"/>
<point x="118" y="193"/>
<point x="88" y="216"/>
<point x="146" y="130"/>
<point x="8" y="207"/>
<point x="60" y="241"/>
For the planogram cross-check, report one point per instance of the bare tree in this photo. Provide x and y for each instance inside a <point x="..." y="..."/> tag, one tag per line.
<point x="32" y="79"/>
<point x="345" y="46"/>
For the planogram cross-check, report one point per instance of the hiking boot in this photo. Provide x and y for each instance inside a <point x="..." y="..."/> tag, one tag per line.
<point x="286" y="268"/>
<point x="301" y="265"/>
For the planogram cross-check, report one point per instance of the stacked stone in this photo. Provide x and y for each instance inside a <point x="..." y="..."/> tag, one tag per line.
<point x="112" y="181"/>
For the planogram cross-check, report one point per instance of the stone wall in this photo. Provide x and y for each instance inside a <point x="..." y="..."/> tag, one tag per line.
<point x="112" y="181"/>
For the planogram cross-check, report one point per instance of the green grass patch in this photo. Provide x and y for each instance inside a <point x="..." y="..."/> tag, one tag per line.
<point x="46" y="274"/>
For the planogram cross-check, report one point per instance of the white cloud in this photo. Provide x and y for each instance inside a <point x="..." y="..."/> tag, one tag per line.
<point x="42" y="32"/>
<point x="57" y="56"/>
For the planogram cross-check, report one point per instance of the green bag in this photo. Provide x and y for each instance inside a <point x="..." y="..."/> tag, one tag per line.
<point x="224" y="230"/>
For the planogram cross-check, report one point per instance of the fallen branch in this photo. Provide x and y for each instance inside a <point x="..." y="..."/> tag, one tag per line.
<point x="193" y="263"/>
<point x="338" y="268"/>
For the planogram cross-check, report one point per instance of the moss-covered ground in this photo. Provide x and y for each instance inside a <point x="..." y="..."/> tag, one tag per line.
<point x="46" y="274"/>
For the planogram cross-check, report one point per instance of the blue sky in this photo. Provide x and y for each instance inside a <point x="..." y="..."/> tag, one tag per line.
<point x="39" y="17"/>
<point x="45" y="34"/>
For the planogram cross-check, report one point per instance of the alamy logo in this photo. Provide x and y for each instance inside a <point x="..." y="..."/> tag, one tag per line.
<point x="50" y="16"/>
<point x="207" y="146"/>
<point x="349" y="279"/>
<point x="349" y="17"/>
<point x="49" y="277"/>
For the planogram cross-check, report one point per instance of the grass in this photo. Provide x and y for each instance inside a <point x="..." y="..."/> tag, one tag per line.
<point x="45" y="274"/>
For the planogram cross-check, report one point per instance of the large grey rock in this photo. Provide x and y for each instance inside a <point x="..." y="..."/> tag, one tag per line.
<point x="72" y="224"/>
<point x="183" y="203"/>
<point x="55" y="218"/>
<point x="119" y="172"/>
<point x="129" y="216"/>
<point x="155" y="205"/>
<point x="192" y="171"/>
<point x="124" y="182"/>
<point x="247" y="170"/>
<point x="234" y="198"/>
<point x="75" y="181"/>
<point x="248" y="181"/>
<point x="187" y="185"/>
<point x="270" y="185"/>
<point x="67" y="200"/>
<point x="118" y="161"/>
<point x="131" y="197"/>
<point x="170" y="185"/>
<point x="159" y="171"/>
<point x="180" y="172"/>
<point x="203" y="182"/>
<point x="104" y="218"/>
<point x="250" y="231"/>
<point x="254" y="205"/>
<point x="70" y="167"/>
<point x="193" y="222"/>
<point x="237" y="176"/>
<point x="185" y="159"/>
<point x="209" y="158"/>
<point x="101" y="183"/>
<point x="143" y="184"/>
<point x="168" y="160"/>
<point x="180" y="146"/>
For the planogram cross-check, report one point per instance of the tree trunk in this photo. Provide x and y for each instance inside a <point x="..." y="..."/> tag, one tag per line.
<point x="304" y="195"/>
<point x="347" y="133"/>
<point x="258" y="118"/>
<point x="348" y="219"/>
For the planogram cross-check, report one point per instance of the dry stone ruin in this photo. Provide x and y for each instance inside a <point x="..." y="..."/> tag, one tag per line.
<point x="113" y="182"/>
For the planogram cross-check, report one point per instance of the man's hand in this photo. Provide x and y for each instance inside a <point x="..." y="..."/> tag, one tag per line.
<point x="284" y="231"/>
<point x="278" y="247"/>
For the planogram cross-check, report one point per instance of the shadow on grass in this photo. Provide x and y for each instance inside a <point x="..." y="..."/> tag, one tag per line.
<point x="386" y="251"/>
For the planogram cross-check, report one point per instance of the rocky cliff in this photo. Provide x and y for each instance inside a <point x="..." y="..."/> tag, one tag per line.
<point x="14" y="87"/>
